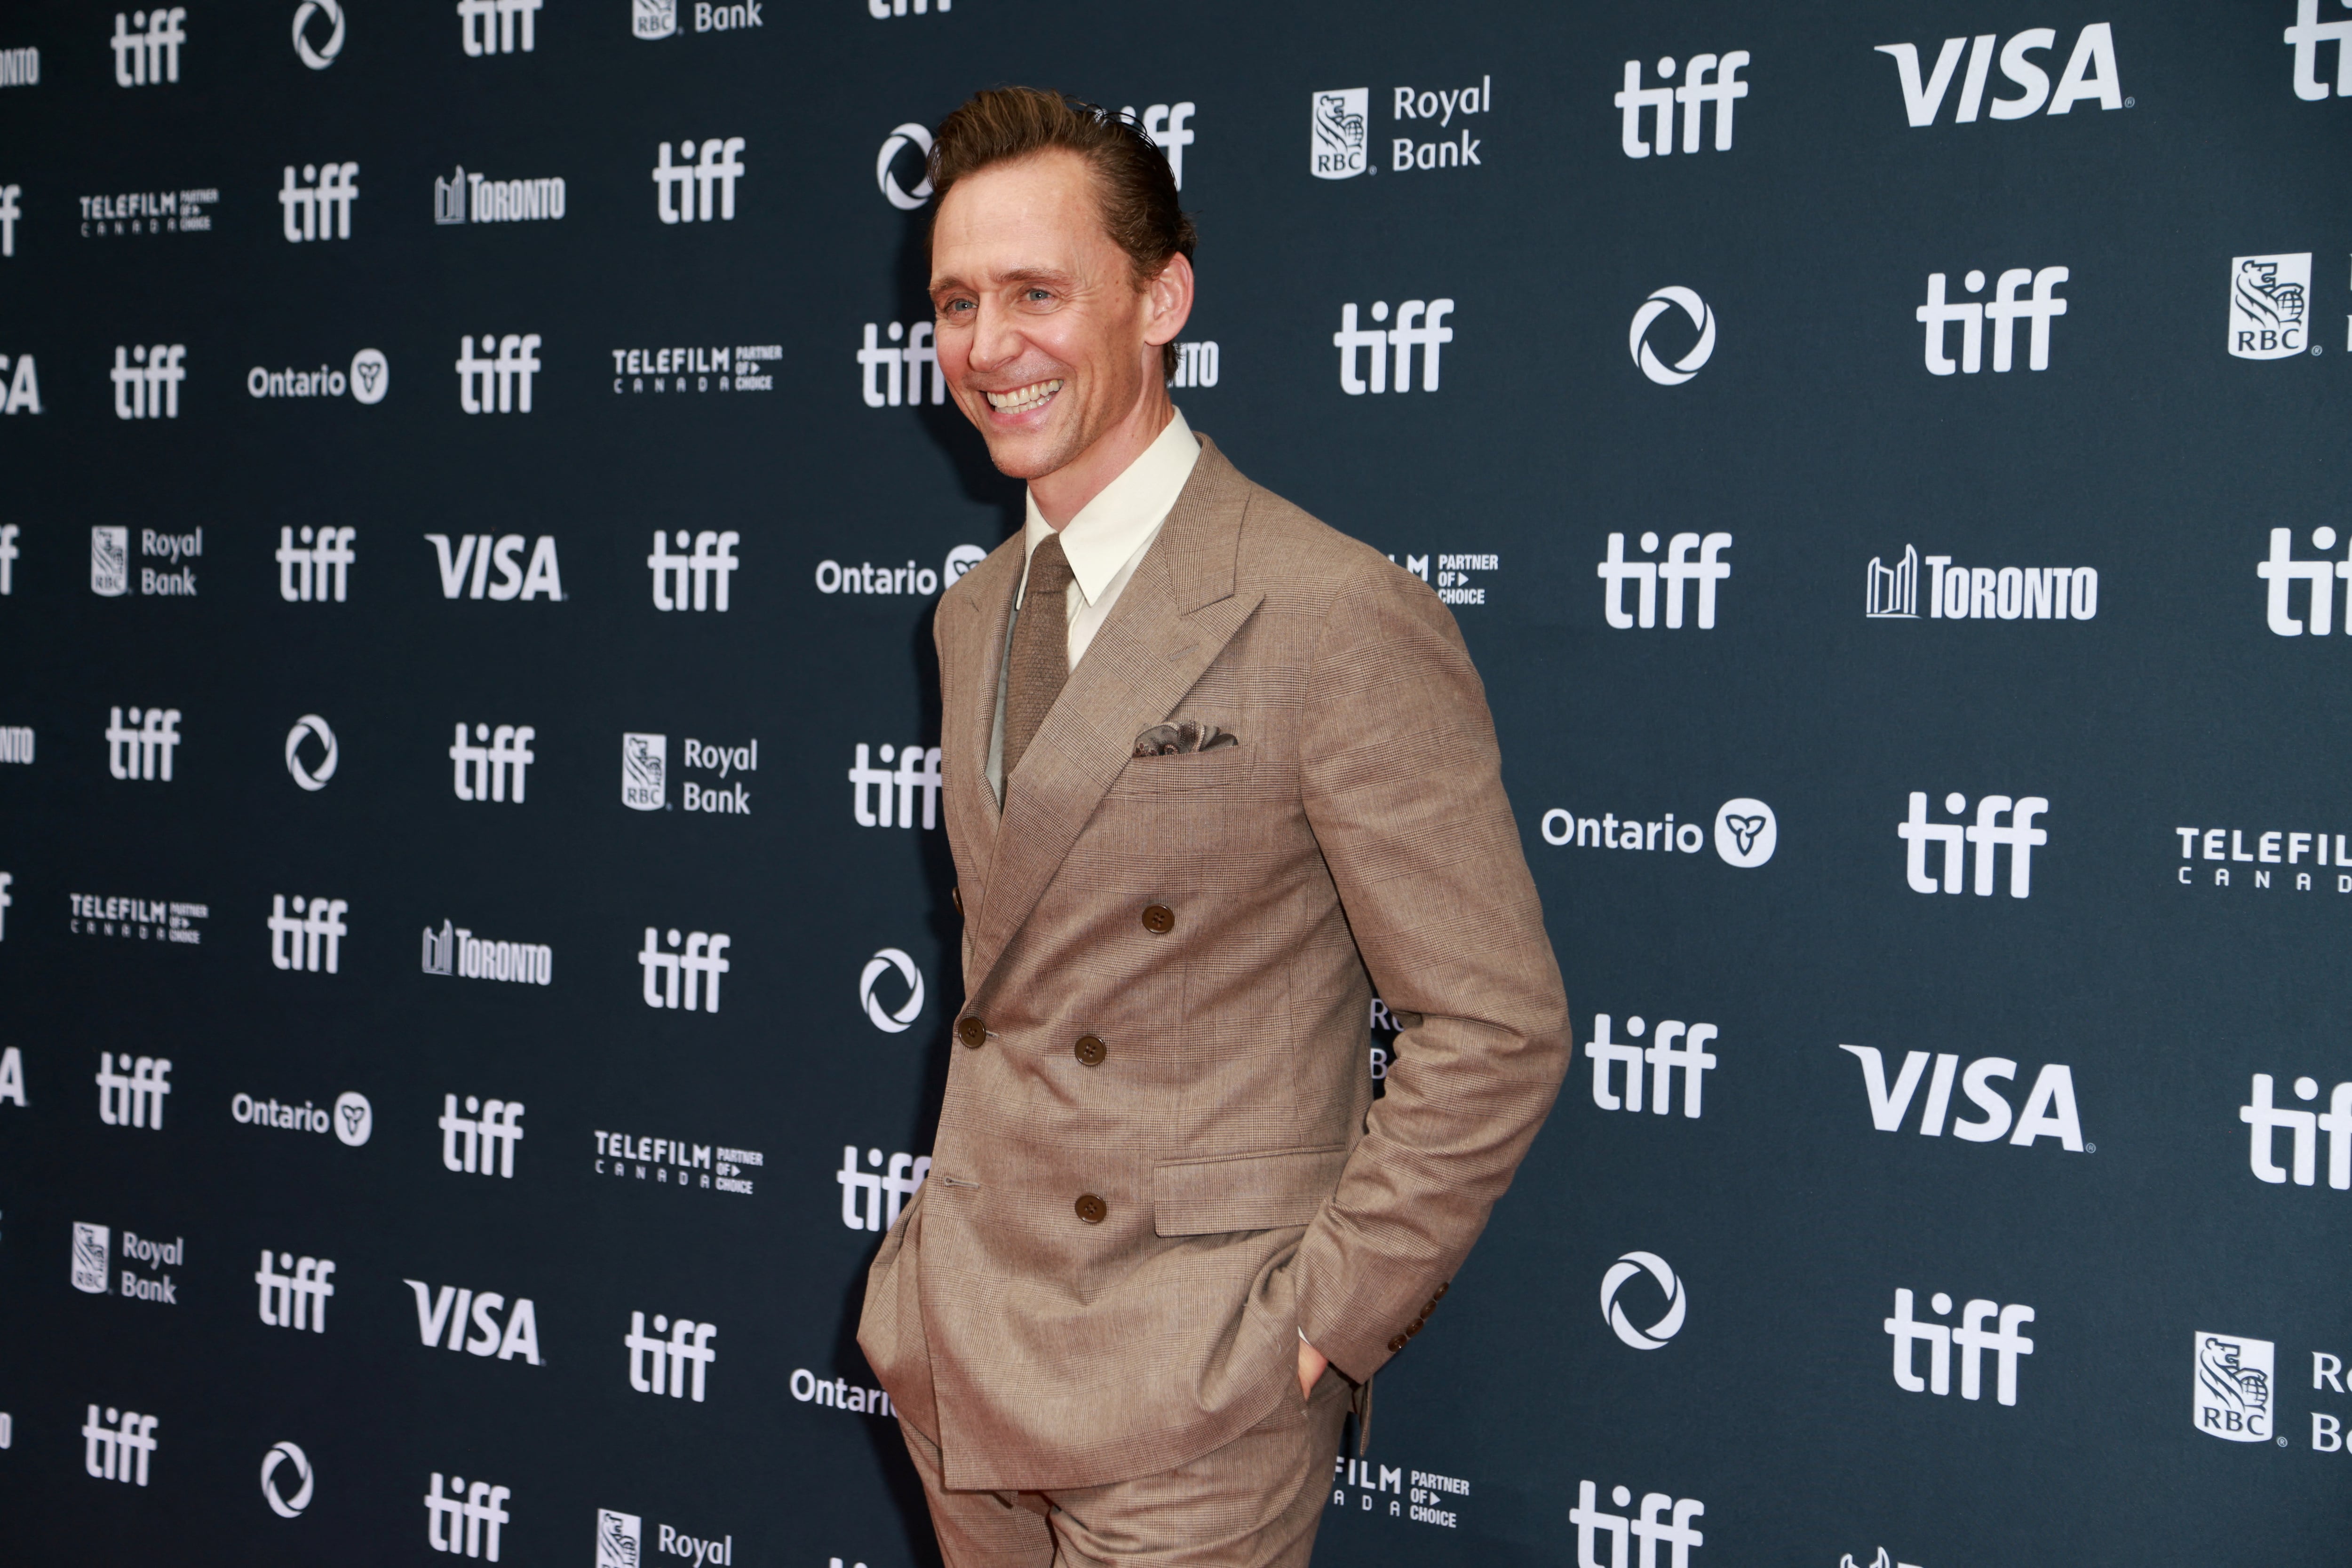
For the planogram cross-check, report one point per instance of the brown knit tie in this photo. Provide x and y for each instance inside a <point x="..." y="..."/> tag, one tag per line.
<point x="1041" y="651"/>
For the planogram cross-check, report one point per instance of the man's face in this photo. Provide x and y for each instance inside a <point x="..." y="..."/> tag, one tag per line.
<point x="1041" y="325"/>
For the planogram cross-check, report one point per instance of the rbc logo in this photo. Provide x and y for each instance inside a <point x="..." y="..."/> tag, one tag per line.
<point x="1339" y="132"/>
<point x="2233" y="1387"/>
<point x="2269" y="296"/>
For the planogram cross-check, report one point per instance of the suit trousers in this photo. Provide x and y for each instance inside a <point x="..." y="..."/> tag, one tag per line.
<point x="1252" y="1503"/>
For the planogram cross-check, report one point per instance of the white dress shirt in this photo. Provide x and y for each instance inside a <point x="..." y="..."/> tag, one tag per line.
<point x="1103" y="544"/>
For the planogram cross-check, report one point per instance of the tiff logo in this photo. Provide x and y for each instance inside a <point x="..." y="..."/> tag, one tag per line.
<point x="1985" y="833"/>
<point x="295" y="1301"/>
<point x="2267" y="1121"/>
<point x="895" y="1184"/>
<point x="482" y="1141"/>
<point x="2282" y="571"/>
<point x="1164" y="123"/>
<point x="147" y="54"/>
<point x="136" y="1101"/>
<point x="1694" y="94"/>
<point x="707" y="568"/>
<point x="689" y="1344"/>
<point x="297" y="941"/>
<point x="2090" y="73"/>
<point x="2002" y="310"/>
<point x="306" y="570"/>
<point x="2307" y="34"/>
<point x="871" y="797"/>
<point x="718" y="166"/>
<point x="1373" y="342"/>
<point x="883" y="10"/>
<point x="474" y="19"/>
<point x="1694" y="1058"/>
<point x="9" y="213"/>
<point x="147" y="381"/>
<point x="140" y="753"/>
<point x="478" y="552"/>
<point x="460" y="1522"/>
<point x="703" y="956"/>
<point x="1973" y="1338"/>
<point x="449" y="1308"/>
<point x="8" y="554"/>
<point x="116" y="1448"/>
<point x="480" y="772"/>
<point x="1653" y="1532"/>
<point x="517" y="362"/>
<point x="2049" y="1112"/>
<point x="320" y="207"/>
<point x="1675" y="571"/>
<point x="884" y="369"/>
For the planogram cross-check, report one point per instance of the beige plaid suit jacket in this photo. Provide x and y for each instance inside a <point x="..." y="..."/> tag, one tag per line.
<point x="1248" y="1185"/>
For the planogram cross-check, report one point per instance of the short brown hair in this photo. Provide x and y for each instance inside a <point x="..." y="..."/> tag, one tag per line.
<point x="1131" y="175"/>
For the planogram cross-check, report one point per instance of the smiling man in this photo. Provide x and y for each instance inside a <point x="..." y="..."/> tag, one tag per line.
<point x="1213" y="774"/>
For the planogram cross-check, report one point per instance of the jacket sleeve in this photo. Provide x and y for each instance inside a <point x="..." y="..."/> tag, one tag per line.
<point x="1402" y="783"/>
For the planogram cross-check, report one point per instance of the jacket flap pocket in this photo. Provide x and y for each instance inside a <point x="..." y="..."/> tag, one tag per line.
<point x="1245" y="1192"/>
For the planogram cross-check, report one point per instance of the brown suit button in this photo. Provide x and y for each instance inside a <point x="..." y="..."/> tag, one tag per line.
<point x="974" y="1032"/>
<point x="1159" y="919"/>
<point x="1428" y="1307"/>
<point x="1441" y="1291"/>
<point x="1090" y="1050"/>
<point x="1412" y="1328"/>
<point x="1091" y="1209"/>
<point x="955" y="897"/>
<point x="1396" y="1345"/>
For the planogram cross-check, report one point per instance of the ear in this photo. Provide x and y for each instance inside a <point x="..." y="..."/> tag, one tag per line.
<point x="1167" y="304"/>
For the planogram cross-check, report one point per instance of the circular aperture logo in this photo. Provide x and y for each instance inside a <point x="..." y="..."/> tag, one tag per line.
<point x="882" y="962"/>
<point x="273" y="1488"/>
<point x="310" y="775"/>
<point x="1701" y="319"/>
<point x="905" y="136"/>
<point x="320" y="56"/>
<point x="1666" y="1327"/>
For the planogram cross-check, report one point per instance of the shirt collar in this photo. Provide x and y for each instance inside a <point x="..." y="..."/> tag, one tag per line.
<point x="1109" y="530"/>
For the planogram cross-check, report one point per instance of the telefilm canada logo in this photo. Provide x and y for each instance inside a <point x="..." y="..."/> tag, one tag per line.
<point x="666" y="1161"/>
<point x="115" y="214"/>
<point x="1460" y="580"/>
<point x="2247" y="859"/>
<point x="139" y="919"/>
<point x="719" y="367"/>
<point x="1745" y="832"/>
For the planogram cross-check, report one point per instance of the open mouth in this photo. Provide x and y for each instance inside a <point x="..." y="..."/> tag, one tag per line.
<point x="1021" y="399"/>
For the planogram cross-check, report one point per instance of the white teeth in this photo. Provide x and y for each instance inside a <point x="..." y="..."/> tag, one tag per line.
<point x="1021" y="398"/>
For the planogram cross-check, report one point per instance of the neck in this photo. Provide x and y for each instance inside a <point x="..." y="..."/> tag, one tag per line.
<point x="1063" y="494"/>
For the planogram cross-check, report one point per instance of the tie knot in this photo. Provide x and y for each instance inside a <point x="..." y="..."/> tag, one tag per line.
<point x="1049" y="568"/>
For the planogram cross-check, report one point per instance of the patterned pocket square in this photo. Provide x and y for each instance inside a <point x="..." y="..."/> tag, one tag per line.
<point x="1183" y="736"/>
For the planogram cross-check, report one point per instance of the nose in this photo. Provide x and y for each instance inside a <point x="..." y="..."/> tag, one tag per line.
<point x="995" y="339"/>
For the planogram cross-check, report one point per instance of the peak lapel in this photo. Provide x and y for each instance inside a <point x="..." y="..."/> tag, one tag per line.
<point x="975" y="639"/>
<point x="1174" y="618"/>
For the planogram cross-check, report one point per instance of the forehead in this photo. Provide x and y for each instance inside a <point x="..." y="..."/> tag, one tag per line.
<point x="1034" y="214"/>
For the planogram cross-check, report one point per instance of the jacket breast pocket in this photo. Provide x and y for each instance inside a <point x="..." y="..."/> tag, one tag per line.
<point x="1185" y="770"/>
<point x="1245" y="1192"/>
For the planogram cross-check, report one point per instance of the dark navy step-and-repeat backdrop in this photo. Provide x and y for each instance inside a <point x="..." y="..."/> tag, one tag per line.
<point x="474" y="486"/>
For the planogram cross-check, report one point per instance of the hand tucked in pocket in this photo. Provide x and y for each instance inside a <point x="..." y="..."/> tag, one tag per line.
<point x="1184" y="735"/>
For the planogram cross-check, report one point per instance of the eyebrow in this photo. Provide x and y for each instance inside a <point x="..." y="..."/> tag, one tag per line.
<point x="1017" y="275"/>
